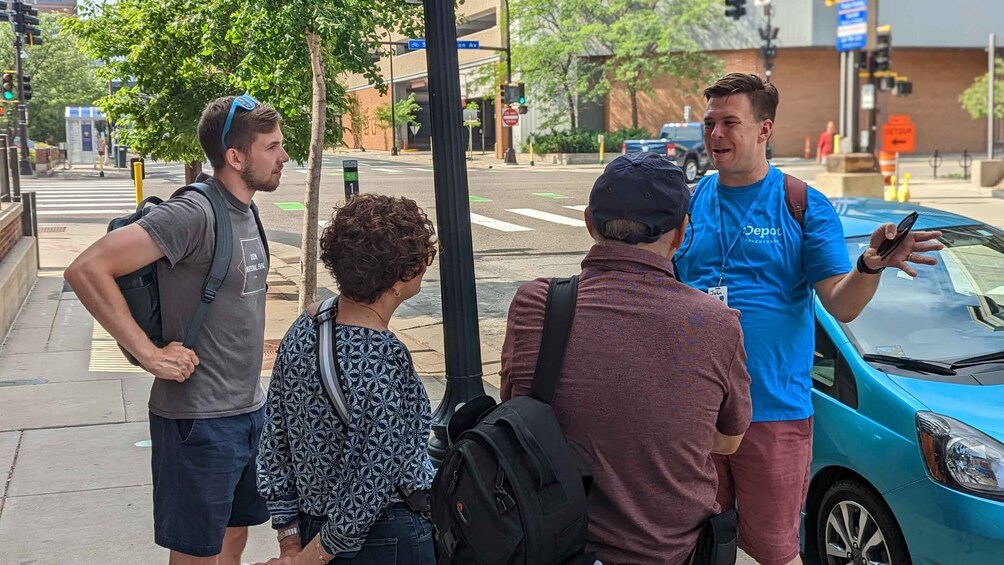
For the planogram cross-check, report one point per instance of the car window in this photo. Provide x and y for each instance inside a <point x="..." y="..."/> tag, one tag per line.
<point x="682" y="134"/>
<point x="950" y="310"/>
<point x="830" y="373"/>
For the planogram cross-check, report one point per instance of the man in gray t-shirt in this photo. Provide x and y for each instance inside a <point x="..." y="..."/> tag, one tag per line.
<point x="206" y="403"/>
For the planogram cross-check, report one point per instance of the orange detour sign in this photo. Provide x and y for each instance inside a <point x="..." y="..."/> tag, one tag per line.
<point x="899" y="135"/>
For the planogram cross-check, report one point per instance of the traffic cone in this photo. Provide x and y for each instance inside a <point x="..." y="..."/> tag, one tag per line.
<point x="903" y="194"/>
<point x="890" y="191"/>
<point x="808" y="147"/>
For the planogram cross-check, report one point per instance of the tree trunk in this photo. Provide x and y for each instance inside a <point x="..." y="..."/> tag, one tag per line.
<point x="192" y="171"/>
<point x="570" y="103"/>
<point x="634" y="108"/>
<point x="308" y="247"/>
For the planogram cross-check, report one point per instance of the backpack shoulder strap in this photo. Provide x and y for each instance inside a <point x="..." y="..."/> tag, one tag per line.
<point x="796" y="196"/>
<point x="222" y="252"/>
<point x="261" y="231"/>
<point x="327" y="357"/>
<point x="558" y="316"/>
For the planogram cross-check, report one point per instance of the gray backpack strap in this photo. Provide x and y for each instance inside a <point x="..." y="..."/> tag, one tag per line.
<point x="222" y="252"/>
<point x="327" y="358"/>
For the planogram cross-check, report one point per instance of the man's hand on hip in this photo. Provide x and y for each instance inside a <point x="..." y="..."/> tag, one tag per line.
<point x="173" y="362"/>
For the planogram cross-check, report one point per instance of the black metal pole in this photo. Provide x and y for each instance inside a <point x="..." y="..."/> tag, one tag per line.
<point x="393" y="107"/>
<point x="22" y="110"/>
<point x="456" y="267"/>
<point x="5" y="192"/>
<point x="510" y="152"/>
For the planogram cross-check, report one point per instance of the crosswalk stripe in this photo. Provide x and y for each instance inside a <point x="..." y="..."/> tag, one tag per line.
<point x="548" y="217"/>
<point x="88" y="204"/>
<point x="581" y="208"/>
<point x="388" y="171"/>
<point x="496" y="224"/>
<point x="79" y="212"/>
<point x="420" y="169"/>
<point x="83" y="195"/>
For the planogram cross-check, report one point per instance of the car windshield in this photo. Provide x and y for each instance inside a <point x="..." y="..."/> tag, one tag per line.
<point x="951" y="310"/>
<point x="681" y="134"/>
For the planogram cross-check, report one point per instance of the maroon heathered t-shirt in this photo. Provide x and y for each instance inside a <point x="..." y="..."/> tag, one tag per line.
<point x="653" y="368"/>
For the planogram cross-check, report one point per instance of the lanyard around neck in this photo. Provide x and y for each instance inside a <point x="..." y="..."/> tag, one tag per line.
<point x="726" y="251"/>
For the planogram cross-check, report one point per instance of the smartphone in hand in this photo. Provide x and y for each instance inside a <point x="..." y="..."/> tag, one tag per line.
<point x="905" y="225"/>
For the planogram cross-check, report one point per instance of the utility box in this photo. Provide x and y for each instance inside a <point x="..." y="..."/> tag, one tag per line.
<point x="83" y="124"/>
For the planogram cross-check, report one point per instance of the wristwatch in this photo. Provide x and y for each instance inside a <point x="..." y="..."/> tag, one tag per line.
<point x="286" y="532"/>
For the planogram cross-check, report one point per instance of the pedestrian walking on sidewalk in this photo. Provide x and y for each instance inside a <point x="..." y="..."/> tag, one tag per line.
<point x="337" y="487"/>
<point x="654" y="378"/>
<point x="824" y="148"/>
<point x="206" y="405"/>
<point x="765" y="261"/>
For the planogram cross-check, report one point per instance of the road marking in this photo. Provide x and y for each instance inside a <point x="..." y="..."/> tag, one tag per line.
<point x="548" y="217"/>
<point x="79" y="212"/>
<point x="580" y="208"/>
<point x="551" y="195"/>
<point x="496" y="224"/>
<point x="86" y="204"/>
<point x="290" y="206"/>
<point x="388" y="171"/>
<point x="420" y="169"/>
<point x="475" y="198"/>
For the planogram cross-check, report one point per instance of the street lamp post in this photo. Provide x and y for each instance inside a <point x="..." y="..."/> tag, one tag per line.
<point x="510" y="152"/>
<point x="393" y="107"/>
<point x="456" y="267"/>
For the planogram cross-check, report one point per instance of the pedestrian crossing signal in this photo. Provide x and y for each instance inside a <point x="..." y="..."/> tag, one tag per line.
<point x="8" y="87"/>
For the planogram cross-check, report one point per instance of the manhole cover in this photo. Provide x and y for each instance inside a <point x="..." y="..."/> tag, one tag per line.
<point x="52" y="229"/>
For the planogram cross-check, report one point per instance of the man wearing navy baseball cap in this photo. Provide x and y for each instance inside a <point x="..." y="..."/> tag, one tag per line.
<point x="654" y="378"/>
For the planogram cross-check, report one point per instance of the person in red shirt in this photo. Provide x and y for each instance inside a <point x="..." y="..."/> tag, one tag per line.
<point x="654" y="379"/>
<point x="825" y="145"/>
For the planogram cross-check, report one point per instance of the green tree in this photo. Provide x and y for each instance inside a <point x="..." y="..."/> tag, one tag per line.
<point x="548" y="50"/>
<point x="405" y="114"/>
<point x="357" y="120"/>
<point x="61" y="75"/>
<point x="649" y="39"/>
<point x="974" y="99"/>
<point x="184" y="53"/>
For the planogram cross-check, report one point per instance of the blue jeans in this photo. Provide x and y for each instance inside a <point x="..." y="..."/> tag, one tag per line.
<point x="398" y="537"/>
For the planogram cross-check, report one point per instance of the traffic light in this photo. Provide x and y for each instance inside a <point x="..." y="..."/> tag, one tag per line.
<point x="26" y="23"/>
<point x="520" y="94"/>
<point x="903" y="87"/>
<point x="513" y="93"/>
<point x="735" y="9"/>
<point x="26" y="86"/>
<point x="882" y="56"/>
<point x="8" y="87"/>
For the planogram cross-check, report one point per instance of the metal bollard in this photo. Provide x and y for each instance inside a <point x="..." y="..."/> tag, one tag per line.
<point x="30" y="215"/>
<point x="935" y="162"/>
<point x="350" y="174"/>
<point x="137" y="174"/>
<point x="15" y="173"/>
<point x="965" y="162"/>
<point x="5" y="193"/>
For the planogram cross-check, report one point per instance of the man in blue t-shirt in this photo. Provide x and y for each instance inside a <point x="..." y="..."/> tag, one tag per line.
<point x="746" y="248"/>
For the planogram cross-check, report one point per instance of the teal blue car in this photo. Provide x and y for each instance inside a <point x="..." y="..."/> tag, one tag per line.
<point x="908" y="452"/>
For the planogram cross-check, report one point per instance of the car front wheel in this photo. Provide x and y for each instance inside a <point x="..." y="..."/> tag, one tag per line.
<point x="690" y="172"/>
<point x="855" y="527"/>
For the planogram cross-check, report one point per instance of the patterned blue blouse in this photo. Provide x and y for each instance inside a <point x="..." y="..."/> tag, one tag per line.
<point x="308" y="461"/>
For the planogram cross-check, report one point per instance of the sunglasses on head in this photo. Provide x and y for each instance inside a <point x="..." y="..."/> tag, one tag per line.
<point x="244" y="102"/>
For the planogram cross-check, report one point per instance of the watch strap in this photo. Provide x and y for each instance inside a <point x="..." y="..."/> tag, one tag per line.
<point x="863" y="268"/>
<point x="286" y="532"/>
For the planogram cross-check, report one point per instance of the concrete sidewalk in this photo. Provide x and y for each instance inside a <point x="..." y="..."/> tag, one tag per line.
<point x="74" y="442"/>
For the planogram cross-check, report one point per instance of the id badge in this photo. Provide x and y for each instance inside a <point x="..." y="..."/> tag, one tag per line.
<point x="720" y="292"/>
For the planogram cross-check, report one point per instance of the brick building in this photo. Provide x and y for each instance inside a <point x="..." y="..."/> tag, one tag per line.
<point x="940" y="47"/>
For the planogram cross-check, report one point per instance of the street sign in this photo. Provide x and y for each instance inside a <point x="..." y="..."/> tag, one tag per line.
<point x="899" y="119"/>
<point x="470" y="115"/>
<point x="510" y="117"/>
<point x="414" y="44"/>
<point x="414" y="128"/>
<point x="899" y="136"/>
<point x="852" y="25"/>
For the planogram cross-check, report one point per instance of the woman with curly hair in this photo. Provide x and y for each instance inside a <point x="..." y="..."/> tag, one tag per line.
<point x="336" y="492"/>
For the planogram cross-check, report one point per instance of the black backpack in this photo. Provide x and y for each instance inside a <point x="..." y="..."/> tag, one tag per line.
<point x="511" y="490"/>
<point x="140" y="287"/>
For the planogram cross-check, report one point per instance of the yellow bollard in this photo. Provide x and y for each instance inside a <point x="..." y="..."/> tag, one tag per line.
<point x="137" y="173"/>
<point x="602" y="147"/>
<point x="531" y="151"/>
<point x="890" y="191"/>
<point x="836" y="143"/>
<point x="903" y="194"/>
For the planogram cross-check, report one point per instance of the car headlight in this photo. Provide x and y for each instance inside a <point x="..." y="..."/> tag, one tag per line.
<point x="960" y="456"/>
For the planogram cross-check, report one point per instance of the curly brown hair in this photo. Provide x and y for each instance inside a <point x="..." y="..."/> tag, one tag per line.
<point x="374" y="241"/>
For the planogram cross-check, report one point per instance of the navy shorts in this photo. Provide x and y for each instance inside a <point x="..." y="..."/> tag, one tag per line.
<point x="204" y="480"/>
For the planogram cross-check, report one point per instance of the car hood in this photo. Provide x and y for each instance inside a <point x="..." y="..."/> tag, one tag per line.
<point x="978" y="406"/>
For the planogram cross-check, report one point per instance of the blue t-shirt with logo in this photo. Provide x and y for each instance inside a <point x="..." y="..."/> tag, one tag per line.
<point x="771" y="264"/>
